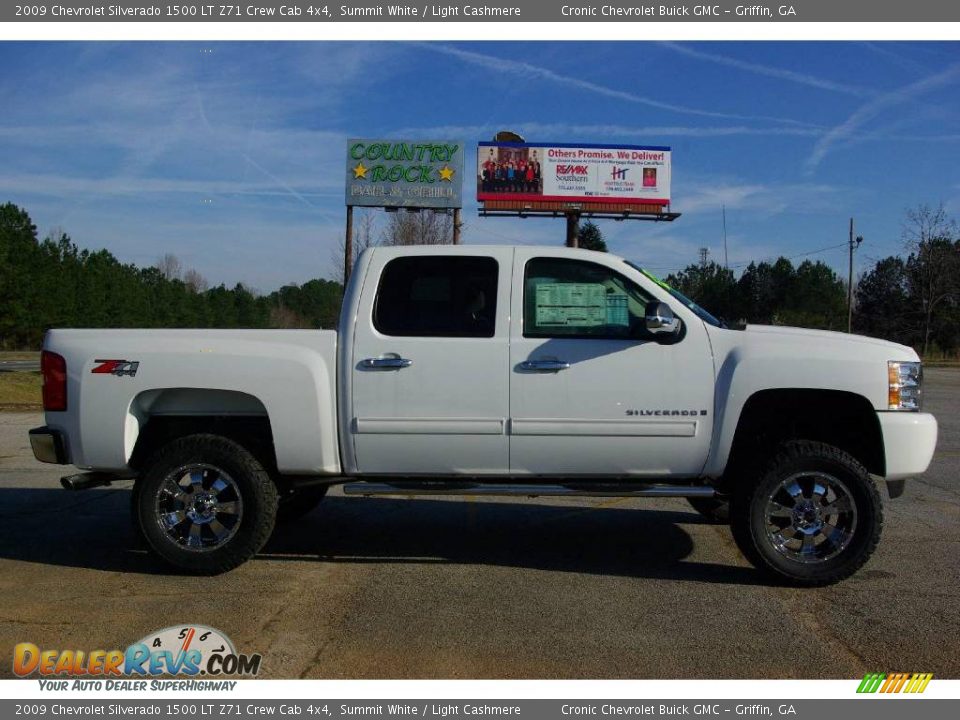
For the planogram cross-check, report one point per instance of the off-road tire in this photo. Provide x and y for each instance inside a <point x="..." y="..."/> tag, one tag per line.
<point x="253" y="484"/>
<point x="713" y="510"/>
<point x="296" y="503"/>
<point x="749" y="519"/>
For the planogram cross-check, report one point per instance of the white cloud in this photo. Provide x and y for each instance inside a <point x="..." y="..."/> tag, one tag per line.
<point x="564" y="131"/>
<point x="64" y="186"/>
<point x="529" y="72"/>
<point x="766" y="70"/>
<point x="872" y="109"/>
<point x="700" y="196"/>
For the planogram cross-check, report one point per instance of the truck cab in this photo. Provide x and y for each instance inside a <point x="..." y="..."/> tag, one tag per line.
<point x="519" y="362"/>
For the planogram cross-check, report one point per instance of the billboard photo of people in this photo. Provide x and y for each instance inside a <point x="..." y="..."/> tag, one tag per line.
<point x="509" y="170"/>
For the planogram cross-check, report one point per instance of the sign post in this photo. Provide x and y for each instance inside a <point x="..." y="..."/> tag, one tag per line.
<point x="573" y="229"/>
<point x="348" y="248"/>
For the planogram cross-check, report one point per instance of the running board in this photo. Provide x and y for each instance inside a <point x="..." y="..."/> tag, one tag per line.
<point x="529" y="490"/>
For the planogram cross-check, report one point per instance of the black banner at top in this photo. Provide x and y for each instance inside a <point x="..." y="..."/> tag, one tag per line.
<point x="298" y="11"/>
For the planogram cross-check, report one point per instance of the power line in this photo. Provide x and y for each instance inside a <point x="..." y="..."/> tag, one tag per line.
<point x="770" y="258"/>
<point x="791" y="257"/>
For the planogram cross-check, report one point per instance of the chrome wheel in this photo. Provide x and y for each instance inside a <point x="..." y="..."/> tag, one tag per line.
<point x="811" y="517"/>
<point x="199" y="507"/>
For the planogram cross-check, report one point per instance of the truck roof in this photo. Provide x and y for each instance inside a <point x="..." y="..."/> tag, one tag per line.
<point x="475" y="249"/>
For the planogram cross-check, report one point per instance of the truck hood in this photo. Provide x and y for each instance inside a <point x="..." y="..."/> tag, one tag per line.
<point x="834" y="340"/>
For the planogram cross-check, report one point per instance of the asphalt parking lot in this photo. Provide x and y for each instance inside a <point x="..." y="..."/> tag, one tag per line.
<point x="462" y="588"/>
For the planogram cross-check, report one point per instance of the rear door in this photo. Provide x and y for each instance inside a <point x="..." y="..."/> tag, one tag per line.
<point x="430" y="382"/>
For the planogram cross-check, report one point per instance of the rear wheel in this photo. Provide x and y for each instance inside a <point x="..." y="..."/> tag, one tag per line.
<point x="813" y="517"/>
<point x="205" y="504"/>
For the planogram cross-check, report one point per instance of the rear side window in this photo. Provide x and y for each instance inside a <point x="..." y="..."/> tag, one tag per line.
<point x="437" y="296"/>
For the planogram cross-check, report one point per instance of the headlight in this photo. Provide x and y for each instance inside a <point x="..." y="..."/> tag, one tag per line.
<point x="905" y="382"/>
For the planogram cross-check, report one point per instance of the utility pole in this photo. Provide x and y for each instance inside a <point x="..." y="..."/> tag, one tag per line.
<point x="726" y="263"/>
<point x="852" y="246"/>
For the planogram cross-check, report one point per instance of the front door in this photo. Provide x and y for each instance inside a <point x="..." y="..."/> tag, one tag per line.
<point x="429" y="371"/>
<point x="591" y="391"/>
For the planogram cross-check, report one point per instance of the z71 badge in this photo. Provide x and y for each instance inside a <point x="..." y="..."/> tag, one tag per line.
<point x="116" y="367"/>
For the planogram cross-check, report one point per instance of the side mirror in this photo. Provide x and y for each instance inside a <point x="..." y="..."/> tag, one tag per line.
<point x="660" y="319"/>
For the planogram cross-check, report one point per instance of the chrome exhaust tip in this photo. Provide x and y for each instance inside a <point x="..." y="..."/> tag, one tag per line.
<point x="85" y="481"/>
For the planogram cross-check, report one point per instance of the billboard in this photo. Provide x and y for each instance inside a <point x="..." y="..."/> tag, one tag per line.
<point x="619" y="174"/>
<point x="404" y="173"/>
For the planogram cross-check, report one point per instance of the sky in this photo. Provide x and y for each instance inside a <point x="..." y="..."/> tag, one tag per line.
<point x="231" y="155"/>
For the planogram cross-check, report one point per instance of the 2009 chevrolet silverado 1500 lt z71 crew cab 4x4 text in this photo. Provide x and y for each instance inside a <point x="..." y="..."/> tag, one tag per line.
<point x="494" y="370"/>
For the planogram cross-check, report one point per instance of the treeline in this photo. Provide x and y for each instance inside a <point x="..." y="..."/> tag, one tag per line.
<point x="810" y="295"/>
<point x="916" y="300"/>
<point x="53" y="283"/>
<point x="913" y="300"/>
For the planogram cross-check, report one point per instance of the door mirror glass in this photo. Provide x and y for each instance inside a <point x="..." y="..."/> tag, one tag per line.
<point x="660" y="319"/>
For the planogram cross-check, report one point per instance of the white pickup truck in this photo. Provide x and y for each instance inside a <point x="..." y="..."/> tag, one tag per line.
<point x="494" y="370"/>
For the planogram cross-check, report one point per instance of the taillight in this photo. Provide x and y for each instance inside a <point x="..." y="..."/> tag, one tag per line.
<point x="54" y="369"/>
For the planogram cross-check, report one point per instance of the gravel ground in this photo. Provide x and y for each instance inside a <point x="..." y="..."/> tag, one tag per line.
<point x="443" y="588"/>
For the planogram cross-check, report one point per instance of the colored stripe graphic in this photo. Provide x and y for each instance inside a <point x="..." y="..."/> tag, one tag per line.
<point x="919" y="682"/>
<point x="871" y="682"/>
<point x="894" y="683"/>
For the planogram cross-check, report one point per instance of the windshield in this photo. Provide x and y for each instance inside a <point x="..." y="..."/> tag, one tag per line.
<point x="699" y="311"/>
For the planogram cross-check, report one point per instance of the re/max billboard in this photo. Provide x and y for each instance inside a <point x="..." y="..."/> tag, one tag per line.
<point x="575" y="173"/>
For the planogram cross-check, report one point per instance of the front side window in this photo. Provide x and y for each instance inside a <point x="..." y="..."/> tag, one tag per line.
<point x="437" y="296"/>
<point x="574" y="298"/>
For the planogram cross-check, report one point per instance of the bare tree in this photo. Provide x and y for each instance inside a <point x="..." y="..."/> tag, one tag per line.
<point x="283" y="317"/>
<point x="195" y="282"/>
<point x="363" y="238"/>
<point x="929" y="235"/>
<point x="420" y="228"/>
<point x="925" y="223"/>
<point x="170" y="266"/>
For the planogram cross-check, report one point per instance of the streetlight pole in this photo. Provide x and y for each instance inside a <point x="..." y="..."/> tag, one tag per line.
<point x="852" y="246"/>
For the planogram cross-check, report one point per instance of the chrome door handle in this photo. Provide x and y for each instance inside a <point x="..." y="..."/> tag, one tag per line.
<point x="389" y="363"/>
<point x="544" y="366"/>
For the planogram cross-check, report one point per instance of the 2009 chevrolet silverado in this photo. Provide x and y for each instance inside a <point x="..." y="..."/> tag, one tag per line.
<point x="494" y="370"/>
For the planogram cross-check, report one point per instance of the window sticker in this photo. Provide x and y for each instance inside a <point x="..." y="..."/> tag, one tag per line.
<point x="571" y="305"/>
<point x="617" y="310"/>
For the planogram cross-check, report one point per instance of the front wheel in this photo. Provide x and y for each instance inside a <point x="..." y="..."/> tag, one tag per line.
<point x="205" y="504"/>
<point x="812" y="518"/>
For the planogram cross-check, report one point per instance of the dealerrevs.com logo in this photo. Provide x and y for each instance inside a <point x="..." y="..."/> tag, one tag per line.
<point x="179" y="650"/>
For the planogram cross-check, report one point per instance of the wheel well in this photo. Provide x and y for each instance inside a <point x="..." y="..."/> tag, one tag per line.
<point x="842" y="419"/>
<point x="252" y="432"/>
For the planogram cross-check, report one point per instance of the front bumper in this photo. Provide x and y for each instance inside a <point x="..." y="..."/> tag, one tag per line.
<point x="48" y="446"/>
<point x="909" y="440"/>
